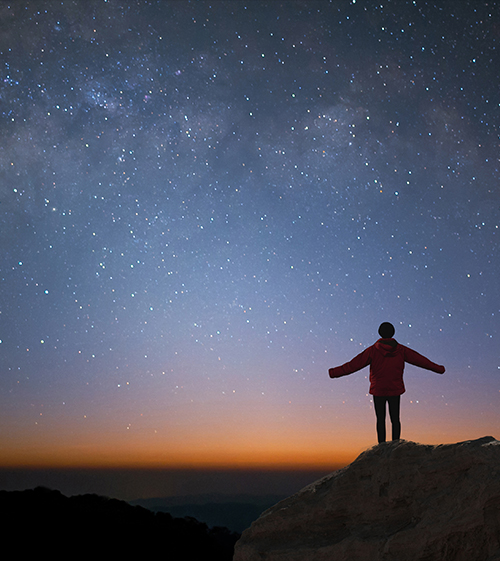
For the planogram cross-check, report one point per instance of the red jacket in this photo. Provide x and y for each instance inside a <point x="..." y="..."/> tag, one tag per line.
<point x="387" y="361"/>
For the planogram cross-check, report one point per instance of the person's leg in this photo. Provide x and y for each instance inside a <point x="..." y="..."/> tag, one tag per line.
<point x="394" y="406"/>
<point x="379" y="404"/>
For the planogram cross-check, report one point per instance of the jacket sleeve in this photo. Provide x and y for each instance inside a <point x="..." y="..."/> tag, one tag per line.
<point x="412" y="357"/>
<point x="357" y="363"/>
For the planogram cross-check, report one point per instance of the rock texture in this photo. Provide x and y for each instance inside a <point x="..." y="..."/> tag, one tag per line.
<point x="398" y="501"/>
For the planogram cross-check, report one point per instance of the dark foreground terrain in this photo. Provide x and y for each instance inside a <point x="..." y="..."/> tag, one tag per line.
<point x="42" y="520"/>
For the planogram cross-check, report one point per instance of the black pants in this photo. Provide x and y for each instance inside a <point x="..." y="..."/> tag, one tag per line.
<point x="379" y="404"/>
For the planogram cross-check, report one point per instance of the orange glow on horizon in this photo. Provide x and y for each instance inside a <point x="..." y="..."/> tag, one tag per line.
<point x="143" y="457"/>
<point x="232" y="435"/>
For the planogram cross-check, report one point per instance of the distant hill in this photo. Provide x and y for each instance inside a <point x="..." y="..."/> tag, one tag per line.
<point x="42" y="520"/>
<point x="235" y="512"/>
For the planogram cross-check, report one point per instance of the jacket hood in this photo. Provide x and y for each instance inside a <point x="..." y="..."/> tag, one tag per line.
<point x="386" y="346"/>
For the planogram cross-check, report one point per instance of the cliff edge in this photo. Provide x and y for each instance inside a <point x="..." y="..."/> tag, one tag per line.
<point x="398" y="501"/>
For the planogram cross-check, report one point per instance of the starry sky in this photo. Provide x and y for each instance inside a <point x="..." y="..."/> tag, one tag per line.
<point x="204" y="205"/>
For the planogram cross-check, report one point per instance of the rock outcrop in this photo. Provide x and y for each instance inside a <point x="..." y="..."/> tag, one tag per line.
<point x="398" y="501"/>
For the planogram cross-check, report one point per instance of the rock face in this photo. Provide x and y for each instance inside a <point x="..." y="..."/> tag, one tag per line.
<point x="398" y="501"/>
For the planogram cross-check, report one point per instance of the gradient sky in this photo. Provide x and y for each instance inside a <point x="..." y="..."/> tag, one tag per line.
<point x="205" y="205"/>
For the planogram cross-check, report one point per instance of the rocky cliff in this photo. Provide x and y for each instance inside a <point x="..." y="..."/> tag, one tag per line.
<point x="398" y="501"/>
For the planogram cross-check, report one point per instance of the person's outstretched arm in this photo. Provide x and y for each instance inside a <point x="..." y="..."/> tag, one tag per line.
<point x="412" y="357"/>
<point x="357" y="363"/>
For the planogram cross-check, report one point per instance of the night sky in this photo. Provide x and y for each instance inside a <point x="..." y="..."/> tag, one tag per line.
<point x="206" y="205"/>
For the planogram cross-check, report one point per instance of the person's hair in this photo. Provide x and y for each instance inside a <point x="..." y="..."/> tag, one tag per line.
<point x="386" y="330"/>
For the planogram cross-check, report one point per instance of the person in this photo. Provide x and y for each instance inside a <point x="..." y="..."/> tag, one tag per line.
<point x="387" y="360"/>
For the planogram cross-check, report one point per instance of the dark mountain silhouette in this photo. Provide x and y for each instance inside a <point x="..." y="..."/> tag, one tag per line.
<point x="41" y="519"/>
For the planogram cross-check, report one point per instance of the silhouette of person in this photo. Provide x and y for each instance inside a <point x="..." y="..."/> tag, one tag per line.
<point x="387" y="360"/>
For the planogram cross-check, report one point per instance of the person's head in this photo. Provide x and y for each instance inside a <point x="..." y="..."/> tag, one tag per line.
<point x="386" y="330"/>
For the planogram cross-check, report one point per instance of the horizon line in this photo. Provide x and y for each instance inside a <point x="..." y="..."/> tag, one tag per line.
<point x="226" y="466"/>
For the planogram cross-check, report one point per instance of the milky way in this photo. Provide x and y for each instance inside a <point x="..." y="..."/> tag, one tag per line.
<point x="205" y="205"/>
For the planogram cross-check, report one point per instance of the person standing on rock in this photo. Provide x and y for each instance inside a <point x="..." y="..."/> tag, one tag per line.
<point x="387" y="361"/>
